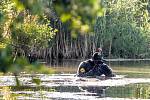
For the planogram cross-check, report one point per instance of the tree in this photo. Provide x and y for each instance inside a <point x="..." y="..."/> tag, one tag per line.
<point x="74" y="19"/>
<point x="22" y="29"/>
<point x="121" y="29"/>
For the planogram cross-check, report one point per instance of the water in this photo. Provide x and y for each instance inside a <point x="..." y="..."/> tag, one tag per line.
<point x="132" y="82"/>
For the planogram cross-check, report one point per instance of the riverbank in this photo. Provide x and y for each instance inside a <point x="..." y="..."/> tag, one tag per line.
<point x="118" y="59"/>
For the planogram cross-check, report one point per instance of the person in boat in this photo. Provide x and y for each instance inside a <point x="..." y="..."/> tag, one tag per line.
<point x="95" y="66"/>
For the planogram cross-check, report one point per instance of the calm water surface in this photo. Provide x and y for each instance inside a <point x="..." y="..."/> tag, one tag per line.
<point x="132" y="82"/>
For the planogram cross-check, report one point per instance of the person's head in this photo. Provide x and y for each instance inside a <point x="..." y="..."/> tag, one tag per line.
<point x="99" y="50"/>
<point x="96" y="58"/>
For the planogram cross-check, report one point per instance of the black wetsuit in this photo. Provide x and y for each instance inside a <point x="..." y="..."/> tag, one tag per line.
<point x="89" y="68"/>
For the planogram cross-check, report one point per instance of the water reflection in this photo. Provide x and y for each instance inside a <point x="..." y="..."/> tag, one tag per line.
<point x="65" y="86"/>
<point x="131" y="68"/>
<point x="131" y="63"/>
<point x="136" y="91"/>
<point x="111" y="62"/>
<point x="99" y="92"/>
<point x="87" y="90"/>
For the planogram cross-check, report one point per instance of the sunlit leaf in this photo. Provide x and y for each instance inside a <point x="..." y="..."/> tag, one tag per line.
<point x="6" y="93"/>
<point x="19" y="5"/>
<point x="85" y="28"/>
<point x="36" y="81"/>
<point x="65" y="17"/>
<point x="100" y="12"/>
<point x="2" y="45"/>
<point x="74" y="34"/>
<point x="76" y="23"/>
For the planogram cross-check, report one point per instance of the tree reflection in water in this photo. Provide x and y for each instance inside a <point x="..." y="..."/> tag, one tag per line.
<point x="95" y="90"/>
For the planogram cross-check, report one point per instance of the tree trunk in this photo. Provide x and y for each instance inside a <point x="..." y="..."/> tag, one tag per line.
<point x="110" y="47"/>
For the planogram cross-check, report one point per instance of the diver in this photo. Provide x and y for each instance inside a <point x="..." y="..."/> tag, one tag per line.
<point x="95" y="66"/>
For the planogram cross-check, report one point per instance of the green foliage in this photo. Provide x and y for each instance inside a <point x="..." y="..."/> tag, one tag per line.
<point x="38" y="68"/>
<point x="34" y="6"/>
<point x="142" y="91"/>
<point x="124" y="27"/>
<point x="16" y="65"/>
<point x="19" y="4"/>
<point x="79" y="14"/>
<point x="138" y="91"/>
<point x="65" y="17"/>
<point x="11" y="63"/>
<point x="7" y="62"/>
<point x="5" y="59"/>
<point x="34" y="31"/>
<point x="1" y="17"/>
<point x="23" y="26"/>
<point x="121" y="27"/>
<point x="36" y="80"/>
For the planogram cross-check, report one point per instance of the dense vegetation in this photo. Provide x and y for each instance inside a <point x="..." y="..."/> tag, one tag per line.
<point x="57" y="29"/>
<point x="24" y="30"/>
<point x="70" y="29"/>
<point x="120" y="27"/>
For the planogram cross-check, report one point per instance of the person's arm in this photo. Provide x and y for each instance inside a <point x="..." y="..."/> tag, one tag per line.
<point x="82" y="72"/>
<point x="86" y="74"/>
<point x="106" y="70"/>
<point x="103" y="59"/>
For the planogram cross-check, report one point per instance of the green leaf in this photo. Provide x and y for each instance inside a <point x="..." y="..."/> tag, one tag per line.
<point x="19" y="5"/>
<point x="36" y="81"/>
<point x="100" y="12"/>
<point x="1" y="17"/>
<point x="65" y="17"/>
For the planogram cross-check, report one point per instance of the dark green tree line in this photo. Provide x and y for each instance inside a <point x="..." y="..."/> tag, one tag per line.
<point x="121" y="28"/>
<point x="74" y="20"/>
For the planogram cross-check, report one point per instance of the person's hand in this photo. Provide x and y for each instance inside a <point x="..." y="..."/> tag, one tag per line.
<point x="96" y="65"/>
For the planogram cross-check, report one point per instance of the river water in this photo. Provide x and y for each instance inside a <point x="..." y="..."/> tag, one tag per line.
<point x="132" y="82"/>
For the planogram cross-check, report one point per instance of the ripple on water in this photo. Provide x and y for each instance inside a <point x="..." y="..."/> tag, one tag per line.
<point x="67" y="86"/>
